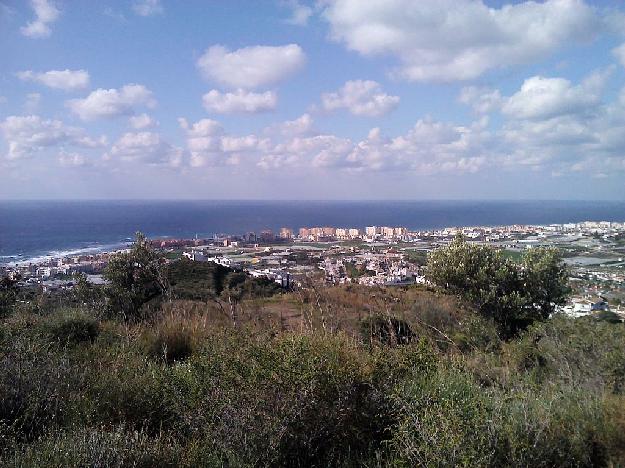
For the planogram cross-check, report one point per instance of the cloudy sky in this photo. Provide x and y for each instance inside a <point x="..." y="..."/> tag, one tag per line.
<point x="334" y="99"/>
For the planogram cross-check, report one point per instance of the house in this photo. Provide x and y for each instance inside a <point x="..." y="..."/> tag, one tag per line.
<point x="195" y="256"/>
<point x="599" y="305"/>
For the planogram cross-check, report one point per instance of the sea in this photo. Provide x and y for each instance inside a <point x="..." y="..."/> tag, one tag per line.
<point x="36" y="230"/>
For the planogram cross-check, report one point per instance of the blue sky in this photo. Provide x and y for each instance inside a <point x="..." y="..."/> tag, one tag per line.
<point x="335" y="99"/>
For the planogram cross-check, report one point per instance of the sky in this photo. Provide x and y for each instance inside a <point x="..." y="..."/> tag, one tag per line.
<point x="328" y="99"/>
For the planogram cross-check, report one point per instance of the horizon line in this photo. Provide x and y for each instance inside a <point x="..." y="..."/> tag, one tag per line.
<point x="298" y="200"/>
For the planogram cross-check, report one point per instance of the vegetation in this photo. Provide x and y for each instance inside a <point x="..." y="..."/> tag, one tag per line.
<point x="322" y="376"/>
<point x="135" y="278"/>
<point x="8" y="294"/>
<point x="513" y="294"/>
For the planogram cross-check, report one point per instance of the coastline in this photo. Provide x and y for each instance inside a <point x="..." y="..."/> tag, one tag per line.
<point x="36" y="230"/>
<point x="21" y="260"/>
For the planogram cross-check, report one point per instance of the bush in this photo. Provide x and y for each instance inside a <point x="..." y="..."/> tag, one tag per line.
<point x="444" y="419"/>
<point x="581" y="352"/>
<point x="475" y="333"/>
<point x="8" y="295"/>
<point x="140" y="394"/>
<point x="447" y="419"/>
<point x="204" y="281"/>
<point x="40" y="388"/>
<point x="385" y="330"/>
<point x="98" y="447"/>
<point x="559" y="427"/>
<point x="513" y="295"/>
<point x="169" y="344"/>
<point x="71" y="327"/>
<point x="135" y="278"/>
<point x="296" y="400"/>
<point x="181" y="391"/>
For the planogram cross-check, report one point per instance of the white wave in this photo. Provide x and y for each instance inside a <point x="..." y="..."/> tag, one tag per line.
<point x="56" y="254"/>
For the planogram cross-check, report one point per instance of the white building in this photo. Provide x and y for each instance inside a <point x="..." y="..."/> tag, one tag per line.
<point x="372" y="231"/>
<point x="223" y="261"/>
<point x="195" y="256"/>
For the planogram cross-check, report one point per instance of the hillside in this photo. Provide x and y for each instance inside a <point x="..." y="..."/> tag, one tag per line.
<point x="220" y="369"/>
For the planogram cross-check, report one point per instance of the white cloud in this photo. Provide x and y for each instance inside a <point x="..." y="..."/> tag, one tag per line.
<point x="146" y="147"/>
<point x="27" y="135"/>
<point x="232" y="144"/>
<point x="46" y="13"/>
<point x="251" y="67"/>
<point x="73" y="160"/>
<point x="31" y="104"/>
<point x="300" y="13"/>
<point x="201" y="128"/>
<point x="203" y="141"/>
<point x="310" y="151"/>
<point x="141" y="121"/>
<point x="209" y="146"/>
<point x="239" y="101"/>
<point x="541" y="98"/>
<point x="619" y="53"/>
<point x="112" y="102"/>
<point x="549" y="125"/>
<point x="67" y="80"/>
<point x="560" y="127"/>
<point x="362" y="98"/>
<point x="452" y="40"/>
<point x="429" y="147"/>
<point x="148" y="7"/>
<point x="301" y="126"/>
<point x="115" y="15"/>
<point x="483" y="100"/>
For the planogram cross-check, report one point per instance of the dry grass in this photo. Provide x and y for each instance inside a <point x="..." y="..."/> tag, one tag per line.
<point x="326" y="308"/>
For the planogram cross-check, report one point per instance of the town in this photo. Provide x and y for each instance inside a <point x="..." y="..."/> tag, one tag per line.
<point x="375" y="255"/>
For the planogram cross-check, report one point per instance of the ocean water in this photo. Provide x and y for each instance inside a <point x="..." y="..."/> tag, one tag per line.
<point x="34" y="229"/>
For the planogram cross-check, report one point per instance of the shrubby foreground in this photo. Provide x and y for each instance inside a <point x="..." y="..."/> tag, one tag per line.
<point x="205" y="367"/>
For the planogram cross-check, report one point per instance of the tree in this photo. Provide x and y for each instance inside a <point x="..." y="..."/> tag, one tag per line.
<point x="8" y="294"/>
<point x="233" y="291"/>
<point x="545" y="278"/>
<point x="85" y="293"/>
<point x="512" y="294"/>
<point x="134" y="277"/>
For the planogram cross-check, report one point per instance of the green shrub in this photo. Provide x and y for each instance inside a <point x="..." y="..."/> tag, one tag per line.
<point x="98" y="447"/>
<point x="385" y="330"/>
<point x="444" y="419"/>
<point x="138" y="393"/>
<point x="135" y="279"/>
<point x="607" y="316"/>
<point x="581" y="352"/>
<point x="514" y="295"/>
<point x="447" y="419"/>
<point x="40" y="388"/>
<point x="296" y="400"/>
<point x="207" y="281"/>
<point x="179" y="391"/>
<point x="8" y="295"/>
<point x="558" y="427"/>
<point x="169" y="344"/>
<point x="72" y="327"/>
<point x="476" y="333"/>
